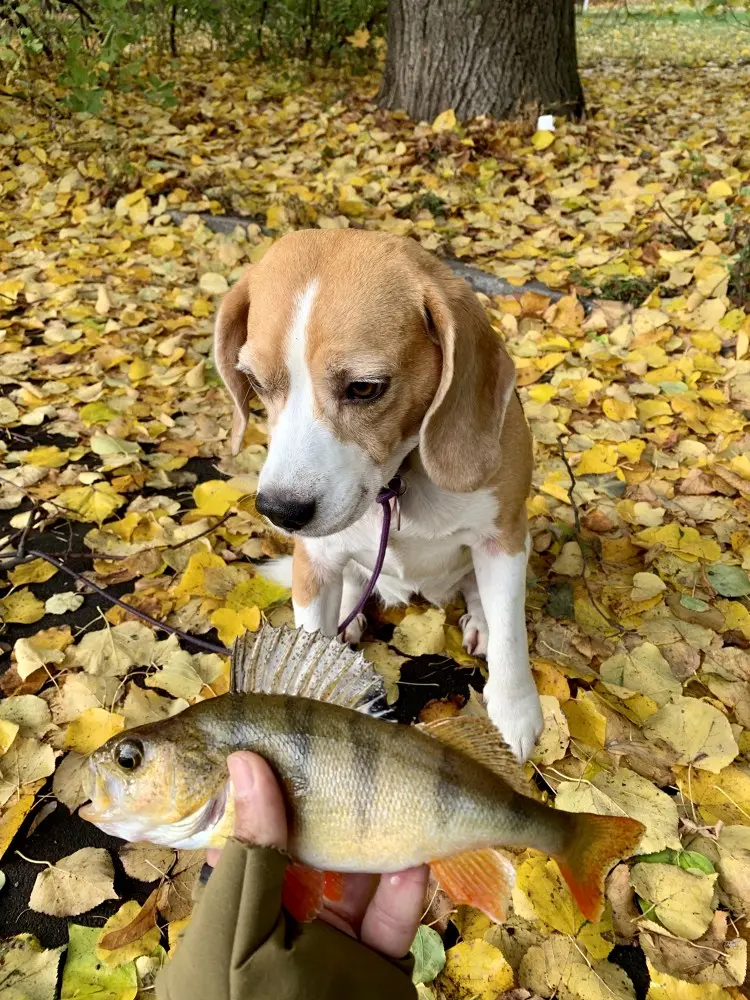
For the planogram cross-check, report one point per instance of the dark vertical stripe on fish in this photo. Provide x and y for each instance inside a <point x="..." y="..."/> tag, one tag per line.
<point x="445" y="787"/>
<point x="298" y="715"/>
<point x="364" y="749"/>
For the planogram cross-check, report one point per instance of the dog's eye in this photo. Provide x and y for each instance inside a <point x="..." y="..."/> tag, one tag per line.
<point x="129" y="754"/>
<point x="365" y="392"/>
<point x="252" y="381"/>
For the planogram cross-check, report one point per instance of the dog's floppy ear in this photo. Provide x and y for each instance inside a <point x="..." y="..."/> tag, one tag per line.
<point x="459" y="441"/>
<point x="230" y="333"/>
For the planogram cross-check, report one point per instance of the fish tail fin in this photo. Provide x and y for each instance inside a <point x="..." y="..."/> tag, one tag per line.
<point x="594" y="844"/>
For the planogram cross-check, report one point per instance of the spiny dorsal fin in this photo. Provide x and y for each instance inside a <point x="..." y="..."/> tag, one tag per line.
<point x="307" y="664"/>
<point x="478" y="738"/>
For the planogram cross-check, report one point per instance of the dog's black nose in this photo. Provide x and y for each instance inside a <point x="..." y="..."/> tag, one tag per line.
<point x="291" y="515"/>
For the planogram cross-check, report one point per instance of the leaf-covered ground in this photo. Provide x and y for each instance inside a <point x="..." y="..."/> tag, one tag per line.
<point x="114" y="439"/>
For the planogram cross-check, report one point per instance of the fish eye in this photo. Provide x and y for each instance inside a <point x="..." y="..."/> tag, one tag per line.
<point x="129" y="754"/>
<point x="365" y="391"/>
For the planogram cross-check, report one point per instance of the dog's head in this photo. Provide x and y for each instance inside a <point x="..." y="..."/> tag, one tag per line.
<point x="363" y="347"/>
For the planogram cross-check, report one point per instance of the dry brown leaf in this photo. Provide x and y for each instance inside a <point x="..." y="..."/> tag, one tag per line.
<point x="68" y="783"/>
<point x="621" y="899"/>
<point x="75" y="884"/>
<point x="176" y="894"/>
<point x="625" y="793"/>
<point x="557" y="967"/>
<point x="699" y="733"/>
<point x="681" y="901"/>
<point x="131" y="932"/>
<point x="147" y="862"/>
<point x="709" y="959"/>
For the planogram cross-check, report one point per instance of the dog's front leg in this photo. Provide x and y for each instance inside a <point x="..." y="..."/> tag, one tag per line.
<point x="510" y="693"/>
<point x="316" y="591"/>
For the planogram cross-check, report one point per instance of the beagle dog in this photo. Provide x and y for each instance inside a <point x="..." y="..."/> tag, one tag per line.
<point x="372" y="358"/>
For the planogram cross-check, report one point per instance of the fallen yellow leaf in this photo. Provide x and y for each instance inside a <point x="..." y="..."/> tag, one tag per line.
<point x="91" y="728"/>
<point x="231" y="624"/>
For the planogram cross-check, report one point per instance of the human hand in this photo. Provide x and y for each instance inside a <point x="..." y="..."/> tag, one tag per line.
<point x="382" y="911"/>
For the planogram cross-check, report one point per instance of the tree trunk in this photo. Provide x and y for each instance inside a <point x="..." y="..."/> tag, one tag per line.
<point x="502" y="58"/>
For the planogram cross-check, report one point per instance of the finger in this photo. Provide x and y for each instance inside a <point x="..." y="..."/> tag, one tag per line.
<point x="393" y="915"/>
<point x="260" y="814"/>
<point x="358" y="890"/>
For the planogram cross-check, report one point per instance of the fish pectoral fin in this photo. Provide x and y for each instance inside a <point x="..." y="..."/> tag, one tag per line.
<point x="306" y="889"/>
<point x="478" y="738"/>
<point x="483" y="879"/>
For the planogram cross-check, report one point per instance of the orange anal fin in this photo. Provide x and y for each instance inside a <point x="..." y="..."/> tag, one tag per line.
<point x="483" y="879"/>
<point x="302" y="895"/>
<point x="595" y="844"/>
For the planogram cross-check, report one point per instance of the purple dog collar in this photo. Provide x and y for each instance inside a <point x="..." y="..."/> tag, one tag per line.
<point x="391" y="492"/>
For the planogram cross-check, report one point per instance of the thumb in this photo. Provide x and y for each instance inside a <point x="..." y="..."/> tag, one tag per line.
<point x="260" y="813"/>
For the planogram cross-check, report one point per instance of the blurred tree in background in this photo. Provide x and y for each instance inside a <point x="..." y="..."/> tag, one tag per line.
<point x="494" y="57"/>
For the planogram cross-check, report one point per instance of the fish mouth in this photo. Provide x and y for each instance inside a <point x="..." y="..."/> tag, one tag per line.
<point x="198" y="829"/>
<point x="99" y="792"/>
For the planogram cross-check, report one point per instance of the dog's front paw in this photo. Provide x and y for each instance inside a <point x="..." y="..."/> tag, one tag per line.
<point x="518" y="716"/>
<point x="475" y="633"/>
<point x="355" y="630"/>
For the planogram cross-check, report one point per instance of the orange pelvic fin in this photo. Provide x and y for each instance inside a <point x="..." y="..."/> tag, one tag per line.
<point x="302" y="895"/>
<point x="333" y="886"/>
<point x="483" y="879"/>
<point x="306" y="889"/>
<point x="595" y="843"/>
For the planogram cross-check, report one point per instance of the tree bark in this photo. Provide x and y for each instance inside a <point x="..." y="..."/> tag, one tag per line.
<point x="503" y="58"/>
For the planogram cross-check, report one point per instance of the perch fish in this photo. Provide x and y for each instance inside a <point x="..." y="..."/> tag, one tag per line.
<point x="364" y="794"/>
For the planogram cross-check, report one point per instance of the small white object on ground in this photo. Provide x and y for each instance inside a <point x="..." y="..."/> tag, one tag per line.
<point x="545" y="123"/>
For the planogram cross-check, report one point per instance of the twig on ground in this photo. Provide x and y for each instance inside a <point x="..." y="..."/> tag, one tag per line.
<point x="209" y="647"/>
<point x="612" y="622"/>
<point x="24" y="555"/>
<point x="194" y="538"/>
<point x="21" y="547"/>
<point x="677" y="223"/>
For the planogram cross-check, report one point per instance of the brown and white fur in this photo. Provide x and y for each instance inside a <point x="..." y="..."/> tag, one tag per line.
<point x="324" y="309"/>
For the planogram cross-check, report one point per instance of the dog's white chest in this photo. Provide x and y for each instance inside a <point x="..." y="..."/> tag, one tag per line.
<point x="429" y="545"/>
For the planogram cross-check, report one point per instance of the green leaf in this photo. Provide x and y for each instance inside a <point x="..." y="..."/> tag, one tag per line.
<point x="693" y="861"/>
<point x="646" y="908"/>
<point x="105" y="444"/>
<point x="665" y="857"/>
<point x="689" y="860"/>
<point x="96" y="413"/>
<point x="694" y="604"/>
<point x="85" y="976"/>
<point x="673" y="387"/>
<point x="729" y="581"/>
<point x="429" y="954"/>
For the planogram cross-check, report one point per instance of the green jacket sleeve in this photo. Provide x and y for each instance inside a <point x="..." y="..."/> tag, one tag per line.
<point x="241" y="945"/>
